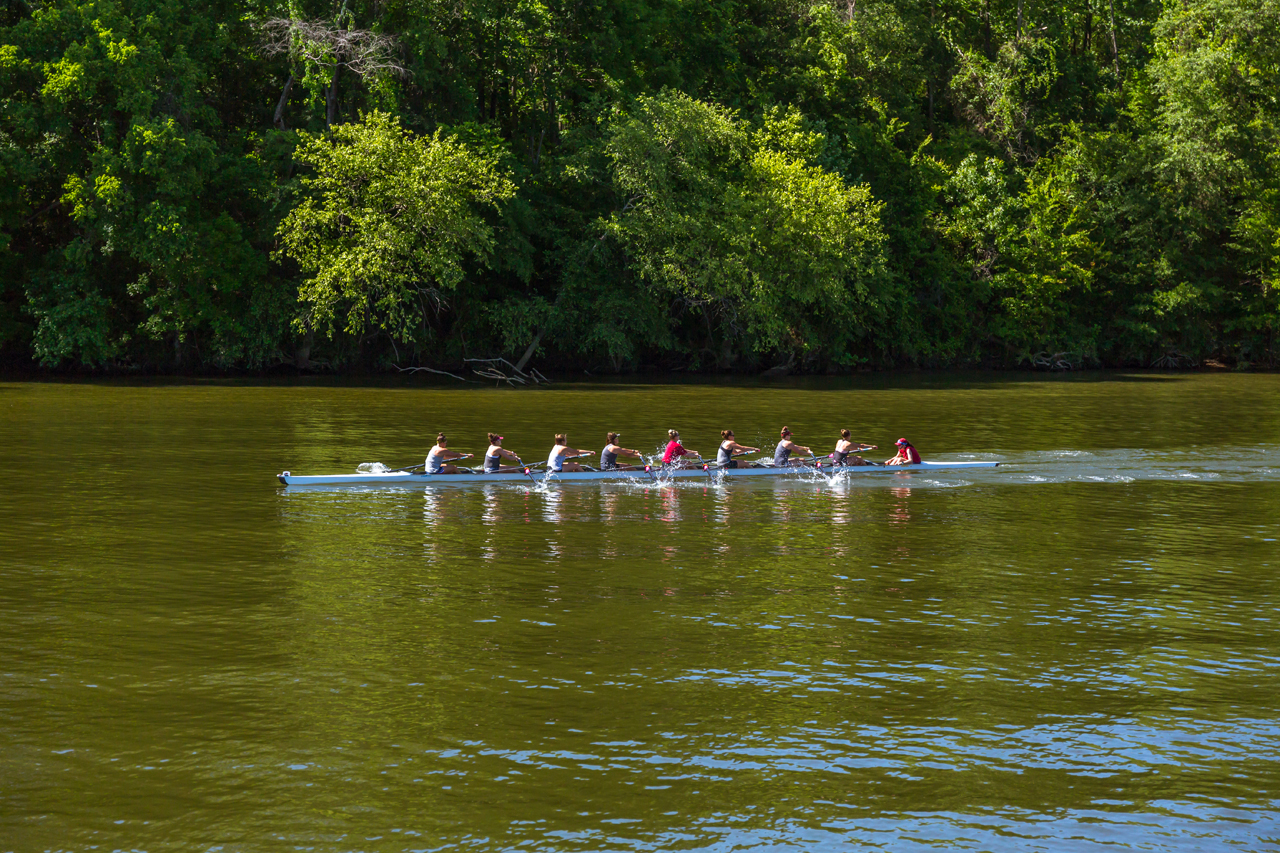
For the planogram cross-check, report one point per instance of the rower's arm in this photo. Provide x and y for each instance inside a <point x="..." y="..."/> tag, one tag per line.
<point x="507" y="454"/>
<point x="623" y="451"/>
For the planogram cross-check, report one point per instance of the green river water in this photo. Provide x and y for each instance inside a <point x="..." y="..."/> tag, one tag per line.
<point x="1076" y="651"/>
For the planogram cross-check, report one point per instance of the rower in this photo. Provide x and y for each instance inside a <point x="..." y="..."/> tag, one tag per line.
<point x="844" y="447"/>
<point x="782" y="453"/>
<point x="675" y="450"/>
<point x="496" y="453"/>
<point x="907" y="455"/>
<point x="440" y="454"/>
<point x="561" y="453"/>
<point x="612" y="450"/>
<point x="730" y="448"/>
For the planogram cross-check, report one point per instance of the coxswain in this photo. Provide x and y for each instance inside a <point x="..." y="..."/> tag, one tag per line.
<point x="561" y="455"/>
<point x="907" y="455"/>
<point x="730" y="448"/>
<point x="845" y="446"/>
<point x="612" y="450"/>
<point x="675" y="449"/>
<point x="782" y="453"/>
<point x="441" y="454"/>
<point x="496" y="453"/>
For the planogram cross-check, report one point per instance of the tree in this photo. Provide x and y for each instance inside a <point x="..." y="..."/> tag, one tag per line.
<point x="741" y="228"/>
<point x="134" y="199"/>
<point x="389" y="225"/>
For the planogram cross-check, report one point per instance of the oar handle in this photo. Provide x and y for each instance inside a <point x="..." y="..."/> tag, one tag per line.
<point x="736" y="455"/>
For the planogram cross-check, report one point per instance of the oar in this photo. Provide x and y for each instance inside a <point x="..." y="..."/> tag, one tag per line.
<point x="442" y="462"/>
<point x="865" y="464"/>
<point x="424" y="465"/>
<point x="716" y="466"/>
<point x="563" y="459"/>
<point x="574" y="456"/>
<point x="520" y="463"/>
<point x="675" y="463"/>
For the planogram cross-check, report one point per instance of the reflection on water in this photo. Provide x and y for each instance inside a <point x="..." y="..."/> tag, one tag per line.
<point x="1076" y="651"/>
<point x="900" y="511"/>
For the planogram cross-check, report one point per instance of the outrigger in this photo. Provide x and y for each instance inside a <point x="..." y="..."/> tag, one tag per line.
<point x="761" y="468"/>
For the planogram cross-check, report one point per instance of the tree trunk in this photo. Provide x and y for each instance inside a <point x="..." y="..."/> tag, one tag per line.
<point x="278" y="121"/>
<point x="928" y="83"/>
<point x="331" y="100"/>
<point x="929" y="87"/>
<point x="302" y="354"/>
<point x="1115" y="53"/>
<point x="1019" y="18"/>
<point x="1088" y="28"/>
<point x="986" y="28"/>
<point x="537" y="154"/>
<point x="528" y="354"/>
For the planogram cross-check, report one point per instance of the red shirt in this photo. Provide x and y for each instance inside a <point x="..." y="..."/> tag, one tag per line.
<point x="674" y="449"/>
<point x="911" y="454"/>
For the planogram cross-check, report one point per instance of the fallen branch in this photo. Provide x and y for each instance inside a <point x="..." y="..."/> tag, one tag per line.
<point x="1173" y="360"/>
<point x="431" y="370"/>
<point x="1057" y="361"/>
<point x="519" y="375"/>
<point x="494" y="373"/>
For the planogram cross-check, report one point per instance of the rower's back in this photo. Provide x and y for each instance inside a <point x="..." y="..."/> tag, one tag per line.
<point x="781" y="453"/>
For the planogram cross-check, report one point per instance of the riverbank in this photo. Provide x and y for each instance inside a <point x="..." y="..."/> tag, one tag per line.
<point x="463" y="377"/>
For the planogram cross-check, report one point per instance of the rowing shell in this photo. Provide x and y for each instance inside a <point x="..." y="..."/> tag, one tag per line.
<point x="407" y="479"/>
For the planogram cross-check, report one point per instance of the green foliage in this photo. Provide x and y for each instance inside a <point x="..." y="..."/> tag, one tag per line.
<point x="771" y="249"/>
<point x="389" y="223"/>
<point x="1003" y="98"/>
<point x="713" y="184"/>
<point x="135" y="207"/>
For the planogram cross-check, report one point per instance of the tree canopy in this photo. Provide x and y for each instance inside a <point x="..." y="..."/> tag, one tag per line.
<point x="639" y="184"/>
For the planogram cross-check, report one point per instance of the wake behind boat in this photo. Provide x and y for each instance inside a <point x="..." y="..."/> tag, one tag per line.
<point x="646" y="473"/>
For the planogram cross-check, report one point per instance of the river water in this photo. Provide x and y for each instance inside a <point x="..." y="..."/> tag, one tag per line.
<point x="1076" y="651"/>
